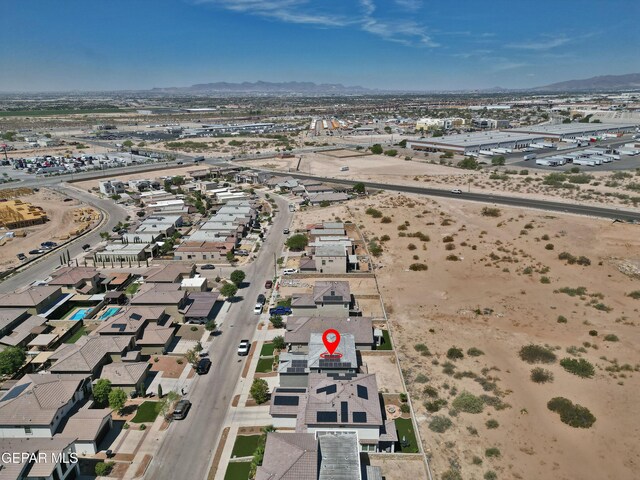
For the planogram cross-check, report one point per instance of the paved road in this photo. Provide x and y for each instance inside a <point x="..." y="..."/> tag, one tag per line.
<point x="574" y="208"/>
<point x="189" y="444"/>
<point x="43" y="267"/>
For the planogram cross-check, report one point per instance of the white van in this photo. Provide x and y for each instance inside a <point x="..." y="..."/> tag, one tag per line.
<point x="289" y="271"/>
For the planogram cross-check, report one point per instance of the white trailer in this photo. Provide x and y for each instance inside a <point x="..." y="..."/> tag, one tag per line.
<point x="612" y="156"/>
<point x="536" y="145"/>
<point x="587" y="162"/>
<point x="488" y="153"/>
<point x="499" y="151"/>
<point x="629" y="151"/>
<point x="530" y="156"/>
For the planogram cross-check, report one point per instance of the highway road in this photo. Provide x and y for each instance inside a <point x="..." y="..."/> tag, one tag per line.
<point x="190" y="443"/>
<point x="561" y="207"/>
<point x="42" y="268"/>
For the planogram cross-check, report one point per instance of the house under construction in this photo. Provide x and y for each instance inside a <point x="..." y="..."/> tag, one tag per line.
<point x="18" y="214"/>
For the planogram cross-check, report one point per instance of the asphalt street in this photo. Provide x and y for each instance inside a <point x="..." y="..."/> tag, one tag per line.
<point x="190" y="443"/>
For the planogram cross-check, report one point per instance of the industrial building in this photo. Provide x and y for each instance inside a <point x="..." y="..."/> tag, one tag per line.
<point x="470" y="143"/>
<point x="445" y="123"/>
<point x="573" y="130"/>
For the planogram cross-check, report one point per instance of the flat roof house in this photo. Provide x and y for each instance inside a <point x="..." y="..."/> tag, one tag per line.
<point x="328" y="299"/>
<point x="331" y="259"/>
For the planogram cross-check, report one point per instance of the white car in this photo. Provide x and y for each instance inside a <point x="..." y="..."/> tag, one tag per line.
<point x="289" y="271"/>
<point x="243" y="348"/>
<point x="457" y="191"/>
<point x="257" y="309"/>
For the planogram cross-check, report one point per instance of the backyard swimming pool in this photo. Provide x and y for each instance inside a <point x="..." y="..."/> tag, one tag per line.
<point x="110" y="312"/>
<point x="79" y="314"/>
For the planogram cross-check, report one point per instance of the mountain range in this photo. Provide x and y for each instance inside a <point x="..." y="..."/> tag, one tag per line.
<point x="629" y="81"/>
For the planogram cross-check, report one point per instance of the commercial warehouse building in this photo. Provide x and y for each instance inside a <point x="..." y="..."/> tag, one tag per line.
<point x="468" y="143"/>
<point x="573" y="130"/>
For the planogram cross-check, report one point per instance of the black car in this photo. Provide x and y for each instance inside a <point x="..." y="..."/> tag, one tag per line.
<point x="182" y="407"/>
<point x="86" y="246"/>
<point x="261" y="299"/>
<point x="203" y="366"/>
<point x="208" y="266"/>
<point x="35" y="252"/>
<point x="21" y="256"/>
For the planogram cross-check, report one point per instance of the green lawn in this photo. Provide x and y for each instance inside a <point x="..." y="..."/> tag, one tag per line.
<point x="245" y="445"/>
<point x="76" y="336"/>
<point x="267" y="350"/>
<point x="133" y="288"/>
<point x="386" y="343"/>
<point x="147" y="412"/>
<point x="265" y="365"/>
<point x="237" y="471"/>
<point x="405" y="430"/>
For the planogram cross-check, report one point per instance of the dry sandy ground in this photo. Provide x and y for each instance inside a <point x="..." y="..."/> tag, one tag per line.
<point x="60" y="223"/>
<point x="386" y="369"/>
<point x="380" y="168"/>
<point x="398" y="468"/>
<point x="437" y="308"/>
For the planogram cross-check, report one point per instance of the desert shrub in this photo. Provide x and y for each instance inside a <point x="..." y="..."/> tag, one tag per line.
<point x="572" y="292"/>
<point x="549" y="246"/>
<point x="440" y="424"/>
<point x="491" y="212"/>
<point x="454" y="353"/>
<point x="375" y="249"/>
<point x="602" y="307"/>
<point x="422" y="348"/>
<point x="450" y="246"/>
<point x="578" y="366"/>
<point x="385" y="220"/>
<point x="447" y="239"/>
<point x="593" y="333"/>
<point x="582" y="260"/>
<point x="476" y="460"/>
<point x="411" y="246"/>
<point x="492" y="452"/>
<point x="611" y="338"/>
<point x="572" y="414"/>
<point x="453" y="258"/>
<point x="448" y="368"/>
<point x="451" y="474"/>
<point x="490" y="475"/>
<point x="562" y="319"/>
<point x="528" y="271"/>
<point x="474" y="352"/>
<point x="635" y="294"/>
<point x="491" y="424"/>
<point x="472" y="430"/>
<point x="468" y="403"/>
<point x="385" y="238"/>
<point x="536" y="354"/>
<point x="541" y="375"/>
<point x="545" y="280"/>
<point x="421" y="378"/>
<point x="545" y="237"/>
<point x="435" y="405"/>
<point x="402" y="228"/>
<point x="430" y="391"/>
<point x="416" y="267"/>
<point x="373" y="212"/>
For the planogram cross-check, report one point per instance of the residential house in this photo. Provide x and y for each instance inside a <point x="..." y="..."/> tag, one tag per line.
<point x="203" y="250"/>
<point x="200" y="307"/>
<point x="89" y="354"/>
<point x="169" y="273"/>
<point x="88" y="426"/>
<point x="328" y="299"/>
<point x="331" y="259"/>
<point x="46" y="459"/>
<point x="195" y="284"/>
<point x="36" y="300"/>
<point x="124" y="254"/>
<point x="299" y="330"/>
<point x="335" y="197"/>
<point x="83" y="280"/>
<point x="129" y="376"/>
<point x="21" y="330"/>
<point x="111" y="187"/>
<point x="165" y="295"/>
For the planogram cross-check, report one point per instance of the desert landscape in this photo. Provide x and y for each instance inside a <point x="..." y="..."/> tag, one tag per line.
<point x="467" y="287"/>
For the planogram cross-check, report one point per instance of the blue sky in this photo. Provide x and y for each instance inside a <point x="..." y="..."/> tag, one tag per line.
<point x="386" y="44"/>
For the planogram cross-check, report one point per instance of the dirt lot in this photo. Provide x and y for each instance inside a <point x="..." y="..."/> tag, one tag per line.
<point x="596" y="188"/>
<point x="168" y="172"/>
<point x="500" y="293"/>
<point x="168" y="365"/>
<point x="398" y="468"/>
<point x="386" y="369"/>
<point x="60" y="224"/>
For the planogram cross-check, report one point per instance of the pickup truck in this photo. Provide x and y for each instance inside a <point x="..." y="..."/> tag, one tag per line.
<point x="280" y="310"/>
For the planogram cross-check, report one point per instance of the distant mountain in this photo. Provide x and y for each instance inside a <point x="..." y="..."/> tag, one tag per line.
<point x="629" y="81"/>
<point x="308" y="88"/>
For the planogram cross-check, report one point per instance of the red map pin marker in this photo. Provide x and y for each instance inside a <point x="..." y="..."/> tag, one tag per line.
<point x="331" y="345"/>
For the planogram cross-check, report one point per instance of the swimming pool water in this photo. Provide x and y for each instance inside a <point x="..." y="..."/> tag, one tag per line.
<point x="80" y="314"/>
<point x="111" y="311"/>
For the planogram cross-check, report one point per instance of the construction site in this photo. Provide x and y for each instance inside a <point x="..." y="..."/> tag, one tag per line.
<point x="19" y="214"/>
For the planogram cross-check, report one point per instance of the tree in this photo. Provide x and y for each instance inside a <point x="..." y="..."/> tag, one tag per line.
<point x="566" y="120"/>
<point x="101" y="391"/>
<point x="297" y="242"/>
<point x="391" y="153"/>
<point x="211" y="326"/>
<point x="117" y="399"/>
<point x="11" y="359"/>
<point x="278" y="342"/>
<point x="259" y="390"/>
<point x="192" y="357"/>
<point x="498" y="161"/>
<point x="387" y="129"/>
<point x="230" y="256"/>
<point x="403" y="143"/>
<point x="228" y="290"/>
<point x="237" y="277"/>
<point x="127" y="143"/>
<point x="277" y="321"/>
<point x="376" y="149"/>
<point x="104" y="235"/>
<point x="159" y="391"/>
<point x="359" y="188"/>
<point x="469" y="163"/>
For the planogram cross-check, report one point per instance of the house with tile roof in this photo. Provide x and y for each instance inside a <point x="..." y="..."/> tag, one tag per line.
<point x="90" y="353"/>
<point x="328" y="299"/>
<point x="47" y="459"/>
<point x="299" y="330"/>
<point x="129" y="376"/>
<point x="83" y="280"/>
<point x="166" y="295"/>
<point x="35" y="299"/>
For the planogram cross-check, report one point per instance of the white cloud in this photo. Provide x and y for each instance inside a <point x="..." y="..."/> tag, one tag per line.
<point x="365" y="17"/>
<point x="546" y="43"/>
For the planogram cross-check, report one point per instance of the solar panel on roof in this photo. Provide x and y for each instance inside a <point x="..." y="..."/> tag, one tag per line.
<point x="286" y="400"/>
<point x="362" y="392"/>
<point x="329" y="389"/>
<point x="290" y="390"/>
<point x="135" y="316"/>
<point x="360" y="417"/>
<point x="15" y="392"/>
<point x="327" y="416"/>
<point x="119" y="326"/>
<point x="344" y="412"/>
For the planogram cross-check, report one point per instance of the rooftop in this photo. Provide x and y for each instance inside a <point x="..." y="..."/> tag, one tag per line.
<point x="88" y="352"/>
<point x="289" y="456"/>
<point x="72" y="275"/>
<point x="299" y="329"/>
<point x="31" y="297"/>
<point x="158" y="294"/>
<point x="124" y="373"/>
<point x="344" y="356"/>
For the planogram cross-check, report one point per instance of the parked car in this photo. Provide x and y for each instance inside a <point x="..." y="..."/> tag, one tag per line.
<point x="457" y="191"/>
<point x="243" y="348"/>
<point x="261" y="299"/>
<point x="48" y="244"/>
<point x="21" y="256"/>
<point x="280" y="310"/>
<point x="285" y="231"/>
<point x="68" y="200"/>
<point x="207" y="266"/>
<point x="182" y="407"/>
<point x="242" y="253"/>
<point x="86" y="246"/>
<point x="203" y="366"/>
<point x="289" y="271"/>
<point x="35" y="252"/>
<point x="268" y="284"/>
<point x="257" y="309"/>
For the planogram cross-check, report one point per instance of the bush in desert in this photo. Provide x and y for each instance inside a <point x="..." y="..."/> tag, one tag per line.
<point x="440" y="424"/>
<point x="468" y="403"/>
<point x="578" y="366"/>
<point x="537" y="354"/>
<point x="572" y="414"/>
<point x="541" y="375"/>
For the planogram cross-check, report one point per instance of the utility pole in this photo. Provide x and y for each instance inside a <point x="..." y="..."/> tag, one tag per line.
<point x="275" y="265"/>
